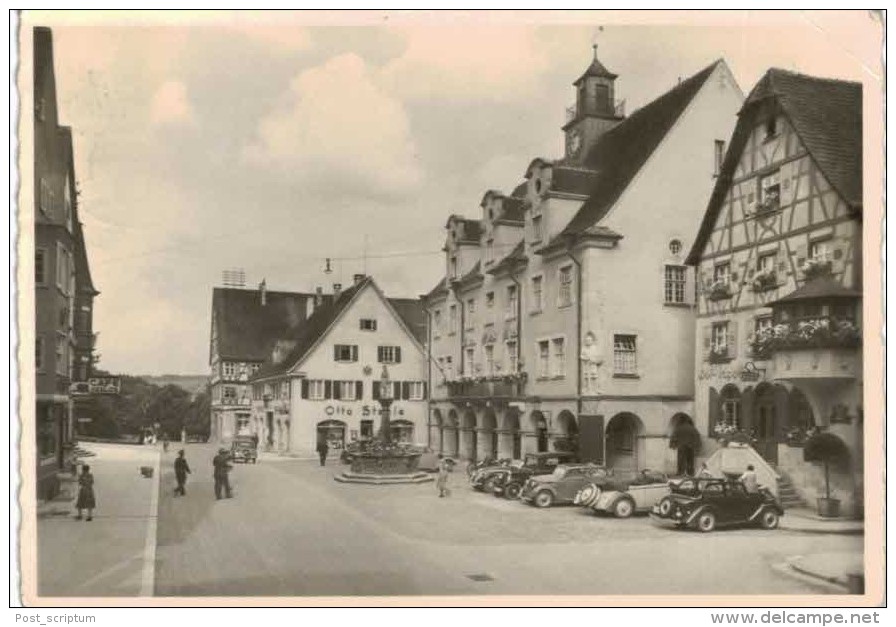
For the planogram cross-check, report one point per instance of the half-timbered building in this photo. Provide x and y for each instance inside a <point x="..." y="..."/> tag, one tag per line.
<point x="779" y="265"/>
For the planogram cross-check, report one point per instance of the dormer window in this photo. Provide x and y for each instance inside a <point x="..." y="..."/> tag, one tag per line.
<point x="537" y="228"/>
<point x="771" y="127"/>
<point x="453" y="267"/>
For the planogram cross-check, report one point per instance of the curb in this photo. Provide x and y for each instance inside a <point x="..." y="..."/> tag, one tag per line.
<point x="786" y="569"/>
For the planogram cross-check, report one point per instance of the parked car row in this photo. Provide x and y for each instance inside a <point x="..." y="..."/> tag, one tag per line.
<point x="548" y="479"/>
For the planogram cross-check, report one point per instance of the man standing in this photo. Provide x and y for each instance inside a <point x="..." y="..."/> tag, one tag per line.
<point x="442" y="479"/>
<point x="221" y="471"/>
<point x="181" y="470"/>
<point x="750" y="480"/>
<point x="322" y="450"/>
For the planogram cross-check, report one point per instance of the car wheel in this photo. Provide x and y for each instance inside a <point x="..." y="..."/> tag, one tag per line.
<point x="543" y="499"/>
<point x="586" y="495"/>
<point x="512" y="491"/>
<point x="768" y="519"/>
<point x="489" y="485"/>
<point x="706" y="522"/>
<point x="665" y="506"/>
<point x="624" y="508"/>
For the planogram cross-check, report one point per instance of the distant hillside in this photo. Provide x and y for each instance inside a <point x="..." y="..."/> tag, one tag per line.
<point x="192" y="383"/>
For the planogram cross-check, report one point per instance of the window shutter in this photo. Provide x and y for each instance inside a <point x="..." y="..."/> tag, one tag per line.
<point x="375" y="390"/>
<point x="707" y="340"/>
<point x="304" y="388"/>
<point x="424" y="390"/>
<point x="328" y="389"/>
<point x="337" y="390"/>
<point x="715" y="407"/>
<point x="398" y="354"/>
<point x="359" y="390"/>
<point x="733" y="339"/>
<point x="396" y="390"/>
<point x="335" y="352"/>
<point x="838" y="254"/>
<point x="355" y="352"/>
<point x="379" y="354"/>
<point x="690" y="289"/>
<point x="405" y="390"/>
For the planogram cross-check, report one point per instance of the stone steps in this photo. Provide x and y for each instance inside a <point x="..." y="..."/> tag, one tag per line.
<point x="787" y="494"/>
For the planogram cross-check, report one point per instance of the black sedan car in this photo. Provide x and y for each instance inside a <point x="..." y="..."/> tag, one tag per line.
<point x="509" y="481"/>
<point x="713" y="503"/>
<point x="482" y="479"/>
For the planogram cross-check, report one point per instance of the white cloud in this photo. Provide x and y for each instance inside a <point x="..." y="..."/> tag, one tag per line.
<point x="336" y="126"/>
<point x="170" y="104"/>
<point x="468" y="62"/>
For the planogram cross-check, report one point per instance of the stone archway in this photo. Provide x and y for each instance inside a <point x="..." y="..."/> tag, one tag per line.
<point x="685" y="440"/>
<point x="449" y="435"/>
<point x="539" y="426"/>
<point x="510" y="440"/>
<point x="767" y="410"/>
<point x="468" y="436"/>
<point x="567" y="437"/>
<point x="488" y="438"/>
<point x="624" y="442"/>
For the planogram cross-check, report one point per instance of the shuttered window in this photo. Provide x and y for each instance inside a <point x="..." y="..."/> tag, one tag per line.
<point x="388" y="354"/>
<point x="345" y="352"/>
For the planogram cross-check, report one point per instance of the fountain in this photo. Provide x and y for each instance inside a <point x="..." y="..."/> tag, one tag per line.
<point x="380" y="460"/>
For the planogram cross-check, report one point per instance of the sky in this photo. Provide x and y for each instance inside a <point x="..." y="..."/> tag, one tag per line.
<point x="271" y="142"/>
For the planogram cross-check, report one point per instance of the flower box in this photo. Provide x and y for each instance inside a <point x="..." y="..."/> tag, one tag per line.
<point x="765" y="281"/>
<point x="816" y="267"/>
<point x="804" y="334"/>
<point x="719" y="356"/>
<point x="718" y="290"/>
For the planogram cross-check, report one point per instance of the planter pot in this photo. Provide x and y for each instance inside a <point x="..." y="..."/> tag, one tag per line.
<point x="828" y="508"/>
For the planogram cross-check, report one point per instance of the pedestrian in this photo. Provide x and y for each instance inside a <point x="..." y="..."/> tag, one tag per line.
<point x="704" y="472"/>
<point x="442" y="478"/>
<point x="86" y="496"/>
<point x="750" y="480"/>
<point x="181" y="470"/>
<point x="322" y="450"/>
<point x="221" y="471"/>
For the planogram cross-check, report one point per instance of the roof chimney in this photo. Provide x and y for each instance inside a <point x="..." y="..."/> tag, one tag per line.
<point x="263" y="290"/>
<point x="356" y="279"/>
<point x="337" y="289"/>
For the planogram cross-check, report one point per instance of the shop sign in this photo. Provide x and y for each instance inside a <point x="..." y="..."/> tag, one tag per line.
<point x="363" y="410"/>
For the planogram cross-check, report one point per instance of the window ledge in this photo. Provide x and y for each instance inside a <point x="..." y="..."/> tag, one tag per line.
<point x="565" y="306"/>
<point x="626" y="375"/>
<point x="678" y="305"/>
<point x="536" y="312"/>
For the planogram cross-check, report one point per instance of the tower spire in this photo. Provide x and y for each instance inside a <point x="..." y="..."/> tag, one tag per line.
<point x="594" y="47"/>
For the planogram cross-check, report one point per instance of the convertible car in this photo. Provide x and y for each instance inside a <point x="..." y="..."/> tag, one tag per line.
<point x="623" y="500"/>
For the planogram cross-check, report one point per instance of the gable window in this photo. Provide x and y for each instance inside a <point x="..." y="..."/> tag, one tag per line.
<point x="510" y="311"/>
<point x="625" y="354"/>
<point x="489" y="299"/>
<point x="537" y="228"/>
<point x="453" y="268"/>
<point x="345" y="352"/>
<point x="368" y="324"/>
<point x="512" y="361"/>
<point x="719" y="340"/>
<point x="718" y="156"/>
<point x="39" y="353"/>
<point x="820" y="251"/>
<point x="675" y="278"/>
<point x="452" y="319"/>
<point x="675" y="247"/>
<point x="317" y="389"/>
<point x="771" y="127"/>
<point x="537" y="294"/>
<point x="388" y="354"/>
<point x="721" y="274"/>
<point x="564" y="296"/>
<point x="40" y="266"/>
<point x="228" y="370"/>
<point x="770" y="191"/>
<point x="559" y="365"/>
<point x="544" y="358"/>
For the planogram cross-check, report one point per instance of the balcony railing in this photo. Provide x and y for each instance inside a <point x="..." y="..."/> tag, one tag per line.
<point x="487" y="388"/>
<point x="618" y="110"/>
<point x="817" y="332"/>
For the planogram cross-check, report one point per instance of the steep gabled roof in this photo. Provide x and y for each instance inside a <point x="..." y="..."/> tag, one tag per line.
<point x="246" y="329"/>
<point x="471" y="229"/>
<point x="826" y="115"/>
<point x="440" y="288"/>
<point x="620" y="153"/>
<point x="315" y="327"/>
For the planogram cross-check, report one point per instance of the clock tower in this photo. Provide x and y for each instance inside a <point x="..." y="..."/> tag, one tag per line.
<point x="595" y="111"/>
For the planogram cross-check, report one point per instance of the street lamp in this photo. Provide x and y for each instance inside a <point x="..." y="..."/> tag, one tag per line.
<point x="385" y="403"/>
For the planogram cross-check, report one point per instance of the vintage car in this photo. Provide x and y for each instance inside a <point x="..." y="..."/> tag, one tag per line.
<point x="509" y="481"/>
<point x="626" y="498"/>
<point x="484" y="478"/>
<point x="244" y="448"/>
<point x="563" y="484"/>
<point x="488" y="462"/>
<point x="715" y="503"/>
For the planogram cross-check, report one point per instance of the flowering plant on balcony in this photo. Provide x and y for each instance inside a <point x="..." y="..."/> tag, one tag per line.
<point x="771" y="202"/>
<point x="812" y="268"/>
<point x="819" y="333"/>
<point x="513" y="377"/>
<point x="765" y="280"/>
<point x="717" y="290"/>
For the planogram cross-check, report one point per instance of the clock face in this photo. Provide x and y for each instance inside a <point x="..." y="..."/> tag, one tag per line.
<point x="575" y="142"/>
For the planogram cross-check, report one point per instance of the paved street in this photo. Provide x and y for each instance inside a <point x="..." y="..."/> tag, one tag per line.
<point x="292" y="530"/>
